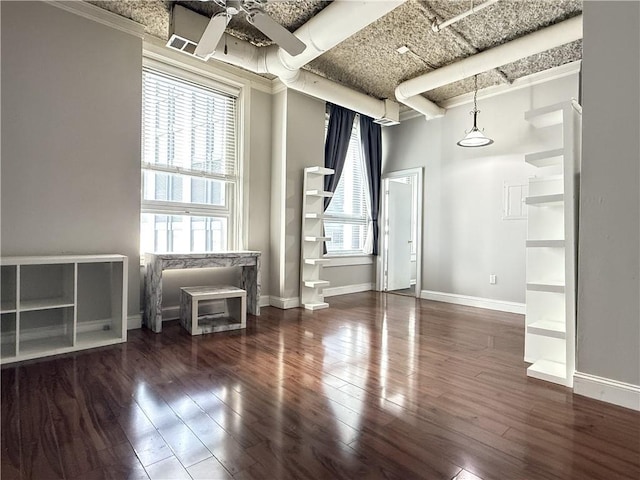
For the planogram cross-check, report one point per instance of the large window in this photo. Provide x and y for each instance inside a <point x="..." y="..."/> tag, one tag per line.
<point x="348" y="216"/>
<point x="190" y="174"/>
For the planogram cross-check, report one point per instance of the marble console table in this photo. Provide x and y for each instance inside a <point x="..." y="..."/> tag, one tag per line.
<point x="158" y="262"/>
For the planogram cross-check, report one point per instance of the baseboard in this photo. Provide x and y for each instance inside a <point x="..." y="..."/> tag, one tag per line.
<point x="93" y="325"/>
<point x="284" y="303"/>
<point x="488" y="303"/>
<point x="61" y="330"/>
<point x="611" y="391"/>
<point x="134" y="321"/>
<point x="171" y="313"/>
<point x="265" y="301"/>
<point x="37" y="333"/>
<point x="346" y="289"/>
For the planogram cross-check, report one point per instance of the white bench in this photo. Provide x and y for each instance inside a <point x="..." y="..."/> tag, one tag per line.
<point x="233" y="318"/>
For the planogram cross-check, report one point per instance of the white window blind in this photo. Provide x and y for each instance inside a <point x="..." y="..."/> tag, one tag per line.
<point x="347" y="215"/>
<point x="190" y="175"/>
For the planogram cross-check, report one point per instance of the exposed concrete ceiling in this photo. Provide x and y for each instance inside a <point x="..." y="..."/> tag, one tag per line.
<point x="369" y="62"/>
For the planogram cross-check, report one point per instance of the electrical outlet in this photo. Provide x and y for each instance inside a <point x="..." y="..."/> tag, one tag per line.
<point x="492" y="279"/>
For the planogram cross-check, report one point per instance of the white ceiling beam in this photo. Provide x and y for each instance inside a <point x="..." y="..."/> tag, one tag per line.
<point x="531" y="44"/>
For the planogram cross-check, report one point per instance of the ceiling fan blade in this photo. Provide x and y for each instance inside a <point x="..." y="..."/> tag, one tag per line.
<point x="212" y="35"/>
<point x="276" y="32"/>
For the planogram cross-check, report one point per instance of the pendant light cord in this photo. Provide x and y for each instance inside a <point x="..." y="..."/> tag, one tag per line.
<point x="475" y="101"/>
<point x="475" y="93"/>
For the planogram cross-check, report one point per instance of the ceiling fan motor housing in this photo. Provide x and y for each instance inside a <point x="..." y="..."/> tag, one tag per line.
<point x="213" y="32"/>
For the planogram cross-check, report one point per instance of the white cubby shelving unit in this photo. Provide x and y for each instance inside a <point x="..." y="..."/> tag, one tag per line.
<point x="551" y="247"/>
<point x="311" y="261"/>
<point x="60" y="304"/>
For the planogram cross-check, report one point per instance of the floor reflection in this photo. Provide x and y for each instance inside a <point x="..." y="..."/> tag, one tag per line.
<point x="376" y="386"/>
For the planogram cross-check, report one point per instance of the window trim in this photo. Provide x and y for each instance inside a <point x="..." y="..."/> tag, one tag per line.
<point x="188" y="75"/>
<point x="238" y="200"/>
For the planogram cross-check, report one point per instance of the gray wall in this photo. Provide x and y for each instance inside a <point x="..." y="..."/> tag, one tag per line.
<point x="260" y="182"/>
<point x="341" y="276"/>
<point x="71" y="106"/>
<point x="278" y="194"/>
<point x="609" y="266"/>
<point x="464" y="237"/>
<point x="305" y="148"/>
<point x="297" y="142"/>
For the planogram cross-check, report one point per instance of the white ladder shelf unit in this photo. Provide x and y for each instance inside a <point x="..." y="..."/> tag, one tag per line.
<point x="552" y="226"/>
<point x="311" y="261"/>
<point x="61" y="304"/>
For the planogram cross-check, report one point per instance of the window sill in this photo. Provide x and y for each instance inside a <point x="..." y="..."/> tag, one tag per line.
<point x="348" y="260"/>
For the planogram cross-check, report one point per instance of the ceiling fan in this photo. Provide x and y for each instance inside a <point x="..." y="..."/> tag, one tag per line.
<point x="257" y="17"/>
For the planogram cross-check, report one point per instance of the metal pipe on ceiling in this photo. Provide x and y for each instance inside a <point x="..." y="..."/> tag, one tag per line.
<point x="531" y="44"/>
<point x="320" y="87"/>
<point x="332" y="25"/>
<point x="319" y="34"/>
<point x="436" y="27"/>
<point x="430" y="13"/>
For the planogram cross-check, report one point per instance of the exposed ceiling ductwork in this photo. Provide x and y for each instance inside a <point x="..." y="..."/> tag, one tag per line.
<point x="331" y="26"/>
<point x="339" y="21"/>
<point x="409" y="92"/>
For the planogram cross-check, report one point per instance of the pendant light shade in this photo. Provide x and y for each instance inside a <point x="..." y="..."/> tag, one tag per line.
<point x="475" y="137"/>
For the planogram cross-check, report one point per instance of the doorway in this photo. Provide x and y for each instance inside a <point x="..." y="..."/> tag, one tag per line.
<point x="400" y="261"/>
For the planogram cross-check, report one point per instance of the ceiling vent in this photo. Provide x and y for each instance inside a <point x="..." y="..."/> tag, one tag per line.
<point x="185" y="29"/>
<point x="391" y="114"/>
<point x="386" y="122"/>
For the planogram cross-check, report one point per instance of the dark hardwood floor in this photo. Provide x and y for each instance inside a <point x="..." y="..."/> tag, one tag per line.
<point x="376" y="386"/>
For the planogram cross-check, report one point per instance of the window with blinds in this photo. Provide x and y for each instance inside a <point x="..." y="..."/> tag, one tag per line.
<point x="347" y="215"/>
<point x="190" y="177"/>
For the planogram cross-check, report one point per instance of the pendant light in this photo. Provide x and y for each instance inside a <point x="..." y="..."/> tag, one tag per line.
<point x="475" y="137"/>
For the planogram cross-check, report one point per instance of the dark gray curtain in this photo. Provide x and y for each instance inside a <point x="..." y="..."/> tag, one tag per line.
<point x="371" y="138"/>
<point x="336" y="145"/>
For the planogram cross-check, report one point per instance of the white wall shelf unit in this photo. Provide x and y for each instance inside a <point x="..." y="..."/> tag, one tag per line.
<point x="317" y="261"/>
<point x="311" y="283"/>
<point x="545" y="243"/>
<point x="318" y="193"/>
<point x="316" y="283"/>
<point x="545" y="159"/>
<point x="551" y="247"/>
<point x="548" y="328"/>
<point x="61" y="304"/>
<point x="316" y="239"/>
<point x="546" y="116"/>
<point x="546" y="200"/>
<point x="546" y="287"/>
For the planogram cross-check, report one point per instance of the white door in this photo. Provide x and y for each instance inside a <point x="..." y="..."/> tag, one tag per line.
<point x="399" y="235"/>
